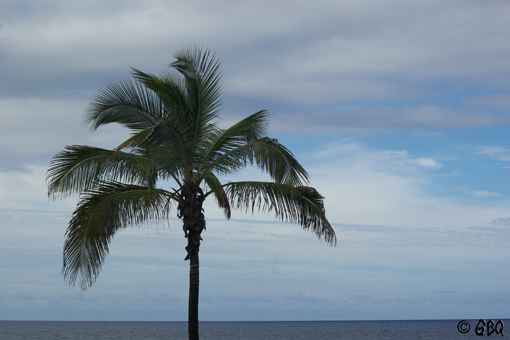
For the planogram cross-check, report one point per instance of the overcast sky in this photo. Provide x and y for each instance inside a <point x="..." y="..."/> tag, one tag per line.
<point x="399" y="110"/>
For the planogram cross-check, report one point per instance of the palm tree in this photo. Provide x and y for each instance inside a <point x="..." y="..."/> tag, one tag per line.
<point x="175" y="138"/>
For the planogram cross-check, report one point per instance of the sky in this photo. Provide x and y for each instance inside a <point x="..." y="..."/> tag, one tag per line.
<point x="399" y="110"/>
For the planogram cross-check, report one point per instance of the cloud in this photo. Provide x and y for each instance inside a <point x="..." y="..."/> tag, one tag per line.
<point x="500" y="153"/>
<point x="34" y="129"/>
<point x="23" y="189"/>
<point x="490" y="101"/>
<point x="354" y="151"/>
<point x="484" y="193"/>
<point x="352" y="119"/>
<point x="270" y="267"/>
<point x="321" y="69"/>
<point x="427" y="163"/>
<point x="365" y="185"/>
<point x="335" y="52"/>
<point x="501" y="222"/>
<point x="398" y="51"/>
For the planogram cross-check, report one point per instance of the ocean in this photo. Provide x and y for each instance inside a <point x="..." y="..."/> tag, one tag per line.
<point x="256" y="330"/>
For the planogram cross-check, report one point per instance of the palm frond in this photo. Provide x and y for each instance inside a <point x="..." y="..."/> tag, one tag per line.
<point x="169" y="87"/>
<point x="125" y="102"/>
<point x="192" y="127"/>
<point x="203" y="84"/>
<point x="269" y="155"/>
<point x="78" y="168"/>
<point x="302" y="205"/>
<point x="163" y="138"/>
<point x="278" y="162"/>
<point x="219" y="192"/>
<point x="100" y="213"/>
<point x="245" y="131"/>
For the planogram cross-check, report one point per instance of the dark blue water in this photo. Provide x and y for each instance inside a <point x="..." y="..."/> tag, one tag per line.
<point x="315" y="330"/>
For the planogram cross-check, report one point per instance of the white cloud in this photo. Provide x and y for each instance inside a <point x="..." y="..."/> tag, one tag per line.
<point x="24" y="189"/>
<point x="270" y="266"/>
<point x="427" y="163"/>
<point x="41" y="127"/>
<point x="500" y="153"/>
<point x="374" y="187"/>
<point x="484" y="193"/>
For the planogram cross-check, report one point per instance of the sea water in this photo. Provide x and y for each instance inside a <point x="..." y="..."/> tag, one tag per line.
<point x="274" y="330"/>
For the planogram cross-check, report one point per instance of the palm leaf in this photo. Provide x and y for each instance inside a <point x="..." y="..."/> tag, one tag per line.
<point x="302" y="205"/>
<point x="247" y="130"/>
<point x="203" y="88"/>
<point x="278" y="162"/>
<point x="78" y="168"/>
<point x="170" y="88"/>
<point x="100" y="213"/>
<point x="269" y="155"/>
<point x="219" y="192"/>
<point x="125" y="102"/>
<point x="163" y="142"/>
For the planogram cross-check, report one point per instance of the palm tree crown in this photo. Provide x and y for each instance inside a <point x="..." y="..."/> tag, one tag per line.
<point x="173" y="119"/>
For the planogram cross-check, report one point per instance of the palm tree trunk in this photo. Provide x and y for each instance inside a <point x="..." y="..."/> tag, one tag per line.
<point x="190" y="209"/>
<point x="193" y="294"/>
